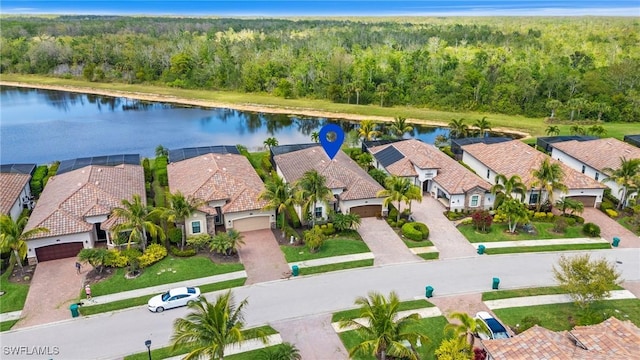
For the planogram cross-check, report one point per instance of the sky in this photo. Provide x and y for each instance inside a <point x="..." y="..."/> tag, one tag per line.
<point x="272" y="8"/>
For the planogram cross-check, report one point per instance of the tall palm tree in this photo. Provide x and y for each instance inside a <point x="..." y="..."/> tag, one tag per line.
<point x="13" y="238"/>
<point x="180" y="209"/>
<point x="315" y="136"/>
<point x="553" y="105"/>
<point x="270" y="142"/>
<point x="466" y="327"/>
<point x="576" y="130"/>
<point x="483" y="125"/>
<point x="548" y="177"/>
<point x="596" y="130"/>
<point x="625" y="176"/>
<point x="210" y="327"/>
<point x="311" y="189"/>
<point x="458" y="129"/>
<point x="135" y="217"/>
<point x="399" y="127"/>
<point x="414" y="193"/>
<point x="567" y="203"/>
<point x="383" y="334"/>
<point x="279" y="196"/>
<point x="284" y="351"/>
<point x="367" y="130"/>
<point x="396" y="190"/>
<point x="504" y="188"/>
<point x="552" y="130"/>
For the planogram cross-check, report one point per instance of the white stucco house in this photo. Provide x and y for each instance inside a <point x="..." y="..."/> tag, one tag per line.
<point x="76" y="203"/>
<point x="354" y="191"/>
<point x="15" y="192"/>
<point x="593" y="156"/>
<point x="435" y="173"/>
<point x="517" y="158"/>
<point x="228" y="185"/>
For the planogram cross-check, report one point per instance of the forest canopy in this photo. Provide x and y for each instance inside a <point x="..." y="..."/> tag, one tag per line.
<point x="582" y="68"/>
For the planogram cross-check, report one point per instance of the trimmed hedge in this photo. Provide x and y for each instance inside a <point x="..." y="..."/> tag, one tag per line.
<point x="152" y="254"/>
<point x="591" y="229"/>
<point x="182" y="253"/>
<point x="415" y="231"/>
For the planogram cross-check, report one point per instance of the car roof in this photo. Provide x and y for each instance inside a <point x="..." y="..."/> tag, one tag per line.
<point x="483" y="315"/>
<point x="183" y="290"/>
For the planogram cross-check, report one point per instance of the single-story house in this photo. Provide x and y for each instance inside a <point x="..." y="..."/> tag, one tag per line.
<point x="353" y="189"/>
<point x="545" y="142"/>
<point x="517" y="158"/>
<point x="632" y="139"/>
<point x="228" y="185"/>
<point x="434" y="172"/>
<point x="15" y="192"/>
<point x="76" y="203"/>
<point x="612" y="339"/>
<point x="457" y="144"/>
<point x="592" y="157"/>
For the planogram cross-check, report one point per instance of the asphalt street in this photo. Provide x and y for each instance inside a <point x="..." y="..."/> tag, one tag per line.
<point x="114" y="335"/>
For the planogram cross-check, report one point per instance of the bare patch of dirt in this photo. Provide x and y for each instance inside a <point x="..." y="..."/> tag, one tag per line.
<point x="18" y="277"/>
<point x="93" y="276"/>
<point x="220" y="258"/>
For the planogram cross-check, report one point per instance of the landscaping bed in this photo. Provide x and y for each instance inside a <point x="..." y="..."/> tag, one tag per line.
<point x="498" y="232"/>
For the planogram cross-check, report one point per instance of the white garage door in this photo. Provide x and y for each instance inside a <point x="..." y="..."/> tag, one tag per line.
<point x="252" y="223"/>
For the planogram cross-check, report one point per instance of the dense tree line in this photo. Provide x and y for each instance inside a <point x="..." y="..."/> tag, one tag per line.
<point x="566" y="68"/>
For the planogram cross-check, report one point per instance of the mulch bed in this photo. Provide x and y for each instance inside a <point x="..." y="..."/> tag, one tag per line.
<point x="18" y="278"/>
<point x="93" y="276"/>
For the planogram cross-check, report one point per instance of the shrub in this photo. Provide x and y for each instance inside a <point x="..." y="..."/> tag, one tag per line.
<point x="422" y="228"/>
<point x="482" y="220"/>
<point x="392" y="223"/>
<point x="328" y="229"/>
<point x="606" y="205"/>
<point x="148" y="174"/>
<point x="314" y="238"/>
<point x="393" y="214"/>
<point x="447" y="150"/>
<point x="560" y="226"/>
<point x="570" y="221"/>
<point x="175" y="235"/>
<point x="182" y="253"/>
<point x="539" y="216"/>
<point x="289" y="232"/>
<point x="591" y="229"/>
<point x="527" y="322"/>
<point x="153" y="254"/>
<point x="401" y="223"/>
<point x="266" y="163"/>
<point x="415" y="231"/>
<point x="161" y="162"/>
<point x="550" y="216"/>
<point x="199" y="242"/>
<point x="116" y="259"/>
<point x="390" y="220"/>
<point x="467" y="221"/>
<point x="612" y="213"/>
<point x="499" y="218"/>
<point x="163" y="178"/>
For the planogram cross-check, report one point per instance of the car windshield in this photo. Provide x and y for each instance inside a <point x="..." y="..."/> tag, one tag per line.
<point x="191" y="290"/>
<point x="165" y="296"/>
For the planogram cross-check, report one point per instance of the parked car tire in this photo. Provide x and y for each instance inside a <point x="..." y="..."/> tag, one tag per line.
<point x="160" y="309"/>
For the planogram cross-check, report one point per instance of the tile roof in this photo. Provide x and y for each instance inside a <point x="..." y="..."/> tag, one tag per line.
<point x="517" y="158"/>
<point x="599" y="153"/>
<point x="218" y="177"/>
<point x="611" y="340"/>
<point x="11" y="185"/>
<point x="341" y="172"/>
<point x="94" y="190"/>
<point x="453" y="177"/>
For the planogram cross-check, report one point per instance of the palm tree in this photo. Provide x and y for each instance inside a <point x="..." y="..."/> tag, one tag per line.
<point x="180" y="209"/>
<point x="284" y="351"/>
<point x="399" y="127"/>
<point x="453" y="349"/>
<point x="414" y="193"/>
<point x="396" y="190"/>
<point x="210" y="327"/>
<point x="625" y="176"/>
<point x="576" y="130"/>
<point x="13" y="238"/>
<point x="552" y="130"/>
<point x="311" y="189"/>
<point x="458" y="129"/>
<point x="367" y="130"/>
<point x="483" y="126"/>
<point x="576" y="104"/>
<point x="505" y="188"/>
<point x="596" y="130"/>
<point x="567" y="203"/>
<point x="315" y="136"/>
<point x="548" y="177"/>
<point x="553" y="105"/>
<point x="383" y="334"/>
<point x="135" y="217"/>
<point x="279" y="196"/>
<point x="600" y="108"/>
<point x="270" y="142"/>
<point x="466" y="328"/>
<point x="161" y="151"/>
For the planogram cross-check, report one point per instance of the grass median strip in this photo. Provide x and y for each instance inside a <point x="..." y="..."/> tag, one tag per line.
<point x="7" y="325"/>
<point x="336" y="267"/>
<point x="430" y="255"/>
<point x="330" y="248"/>
<point x="498" y="233"/>
<point x="563" y="247"/>
<point x="405" y="305"/>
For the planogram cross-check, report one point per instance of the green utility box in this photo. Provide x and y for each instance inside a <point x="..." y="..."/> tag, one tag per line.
<point x="496" y="282"/>
<point x="429" y="291"/>
<point x="74" y="310"/>
<point x="616" y="242"/>
<point x="295" y="271"/>
<point x="481" y="249"/>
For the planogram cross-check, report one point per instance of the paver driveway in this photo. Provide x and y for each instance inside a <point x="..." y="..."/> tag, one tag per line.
<point x="609" y="228"/>
<point x="442" y="232"/>
<point x="261" y="257"/>
<point x="55" y="286"/>
<point x="313" y="336"/>
<point x="384" y="243"/>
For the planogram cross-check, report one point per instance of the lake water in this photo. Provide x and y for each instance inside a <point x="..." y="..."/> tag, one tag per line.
<point x="41" y="126"/>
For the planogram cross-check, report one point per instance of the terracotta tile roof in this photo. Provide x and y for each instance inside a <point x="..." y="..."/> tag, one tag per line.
<point x="517" y="158"/>
<point x="93" y="190"/>
<point x="341" y="172"/>
<point x="11" y="186"/>
<point x="612" y="340"/>
<point x="218" y="177"/>
<point x="453" y="177"/>
<point x="599" y="153"/>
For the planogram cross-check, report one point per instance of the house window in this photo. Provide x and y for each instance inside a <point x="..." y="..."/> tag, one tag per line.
<point x="597" y="176"/>
<point x="533" y="199"/>
<point x="474" y="200"/>
<point x="488" y="173"/>
<point x="195" y="227"/>
<point x="583" y="168"/>
<point x="318" y="212"/>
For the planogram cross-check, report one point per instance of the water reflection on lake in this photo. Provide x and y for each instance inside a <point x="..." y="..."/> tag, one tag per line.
<point x="41" y="126"/>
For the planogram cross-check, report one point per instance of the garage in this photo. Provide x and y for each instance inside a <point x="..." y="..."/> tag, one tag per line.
<point x="58" y="251"/>
<point x="366" y="210"/>
<point x="252" y="223"/>
<point x="588" y="201"/>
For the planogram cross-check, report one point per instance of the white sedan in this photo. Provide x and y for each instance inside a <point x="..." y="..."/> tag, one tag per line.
<point x="177" y="297"/>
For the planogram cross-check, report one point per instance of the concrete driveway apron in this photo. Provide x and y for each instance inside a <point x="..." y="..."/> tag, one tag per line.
<point x="384" y="243"/>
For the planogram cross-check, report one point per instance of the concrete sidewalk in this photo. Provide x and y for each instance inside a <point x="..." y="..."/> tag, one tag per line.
<point x="332" y="260"/>
<point x="423" y="312"/>
<point x="247" y="345"/>
<point x="9" y="316"/>
<point x="154" y="290"/>
<point x="504" y="244"/>
<point x="548" y="299"/>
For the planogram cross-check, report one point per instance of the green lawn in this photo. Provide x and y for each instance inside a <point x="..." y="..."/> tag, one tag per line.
<point x="415" y="244"/>
<point x="142" y="300"/>
<point x="335" y="267"/>
<point x="430" y="255"/>
<point x="498" y="233"/>
<point x="405" y="305"/>
<point x="15" y="294"/>
<point x="507" y="294"/>
<point x="432" y="327"/>
<point x="168" y="270"/>
<point x="7" y="325"/>
<point x="166" y="352"/>
<point x="331" y="247"/>
<point x="524" y="249"/>
<point x="627" y="223"/>
<point x="255" y="158"/>
<point x="556" y="316"/>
